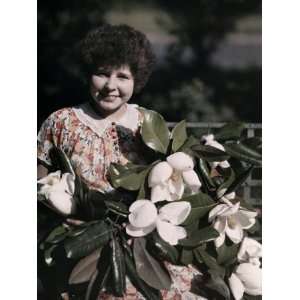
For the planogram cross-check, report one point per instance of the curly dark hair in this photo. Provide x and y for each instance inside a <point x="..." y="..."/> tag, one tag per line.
<point x="117" y="45"/>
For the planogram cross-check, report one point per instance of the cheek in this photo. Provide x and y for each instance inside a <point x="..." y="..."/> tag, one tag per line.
<point x="96" y="83"/>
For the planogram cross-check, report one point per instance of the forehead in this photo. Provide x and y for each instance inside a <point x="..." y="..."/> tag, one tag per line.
<point x="122" y="68"/>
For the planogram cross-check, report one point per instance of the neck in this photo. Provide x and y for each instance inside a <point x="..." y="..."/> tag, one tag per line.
<point x="110" y="115"/>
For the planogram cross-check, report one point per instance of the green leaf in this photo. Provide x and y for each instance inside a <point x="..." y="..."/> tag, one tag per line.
<point x="57" y="235"/>
<point x="118" y="208"/>
<point x="227" y="183"/>
<point x="201" y="204"/>
<point x="48" y="255"/>
<point x="100" y="276"/>
<point x="199" y="236"/>
<point x="218" y="284"/>
<point x="250" y="297"/>
<point x="209" y="153"/>
<point x="148" y="268"/>
<point x="155" y="132"/>
<point x="230" y="131"/>
<point x="92" y="238"/>
<point x="244" y="153"/>
<point x="227" y="254"/>
<point x="161" y="249"/>
<point x="239" y="180"/>
<point x="186" y="257"/>
<point x="147" y="291"/>
<point x="85" y="268"/>
<point x="191" y="141"/>
<point x="118" y="268"/>
<point x="253" y="142"/>
<point x="61" y="160"/>
<point x="179" y="135"/>
<point x="205" y="174"/>
<point x="209" y="261"/>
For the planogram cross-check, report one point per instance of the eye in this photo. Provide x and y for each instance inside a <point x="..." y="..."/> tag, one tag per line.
<point x="102" y="73"/>
<point x="123" y="76"/>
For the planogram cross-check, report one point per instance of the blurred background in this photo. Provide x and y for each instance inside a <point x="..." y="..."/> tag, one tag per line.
<point x="209" y="55"/>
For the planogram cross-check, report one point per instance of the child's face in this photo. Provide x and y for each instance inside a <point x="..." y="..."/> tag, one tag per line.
<point x="110" y="88"/>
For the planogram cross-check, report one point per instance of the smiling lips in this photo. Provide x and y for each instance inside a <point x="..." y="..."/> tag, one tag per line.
<point x="107" y="98"/>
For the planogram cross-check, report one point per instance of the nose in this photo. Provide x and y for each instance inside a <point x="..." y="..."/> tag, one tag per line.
<point x="110" y="84"/>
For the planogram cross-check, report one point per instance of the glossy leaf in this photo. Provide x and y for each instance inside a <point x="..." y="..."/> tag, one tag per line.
<point x="148" y="268"/>
<point x="240" y="180"/>
<point x="209" y="261"/>
<point x="48" y="255"/>
<point x="118" y="208"/>
<point x="205" y="174"/>
<point x="198" y="237"/>
<point x="227" y="254"/>
<point x="100" y="276"/>
<point x="209" y="153"/>
<point x="228" y="182"/>
<point x="147" y="291"/>
<point x="155" y="132"/>
<point x="118" y="268"/>
<point x="230" y="131"/>
<point x="92" y="238"/>
<point x="253" y="142"/>
<point x="178" y="135"/>
<point x="191" y="141"/>
<point x="61" y="160"/>
<point x="85" y="268"/>
<point x="57" y="235"/>
<point x="186" y="257"/>
<point x="244" y="153"/>
<point x="201" y="204"/>
<point x="218" y="284"/>
<point x="161" y="249"/>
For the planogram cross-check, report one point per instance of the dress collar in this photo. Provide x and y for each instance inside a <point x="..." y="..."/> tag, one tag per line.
<point x="88" y="117"/>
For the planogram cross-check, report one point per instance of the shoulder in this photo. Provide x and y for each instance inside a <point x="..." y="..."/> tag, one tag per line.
<point x="59" y="118"/>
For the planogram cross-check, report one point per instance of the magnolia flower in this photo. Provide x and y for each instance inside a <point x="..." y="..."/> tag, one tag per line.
<point x="250" y="252"/>
<point x="144" y="218"/>
<point x="226" y="198"/>
<point x="167" y="178"/>
<point x="210" y="141"/>
<point x="245" y="279"/>
<point x="229" y="219"/>
<point x="58" y="190"/>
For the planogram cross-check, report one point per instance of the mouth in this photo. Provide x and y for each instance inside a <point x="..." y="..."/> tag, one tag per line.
<point x="107" y="98"/>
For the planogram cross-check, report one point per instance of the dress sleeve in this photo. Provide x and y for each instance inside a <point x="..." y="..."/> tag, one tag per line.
<point x="51" y="133"/>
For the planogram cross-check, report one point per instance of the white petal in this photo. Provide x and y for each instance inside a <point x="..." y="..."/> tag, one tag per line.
<point x="220" y="224"/>
<point x="61" y="200"/>
<point x="176" y="186"/>
<point x="249" y="250"/>
<point x="219" y="241"/>
<point x="231" y="210"/>
<point x="215" y="144"/>
<point x="160" y="193"/>
<point x="224" y="164"/>
<point x="217" y="211"/>
<point x="169" y="232"/>
<point x="136" y="232"/>
<point x="244" y="220"/>
<point x="250" y="275"/>
<point x="208" y="138"/>
<point x="236" y="286"/>
<point x="143" y="213"/>
<point x="51" y="178"/>
<point x="68" y="181"/>
<point x="191" y="179"/>
<point x="234" y="233"/>
<point x="175" y="212"/>
<point x="159" y="174"/>
<point x="180" y="161"/>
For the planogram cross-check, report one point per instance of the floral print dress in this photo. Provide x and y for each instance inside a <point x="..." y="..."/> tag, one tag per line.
<point x="92" y="144"/>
